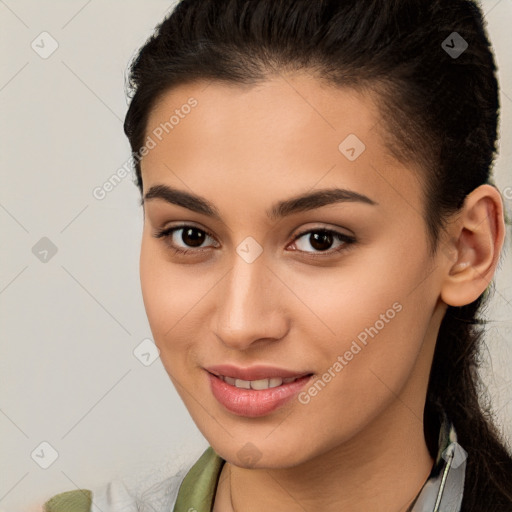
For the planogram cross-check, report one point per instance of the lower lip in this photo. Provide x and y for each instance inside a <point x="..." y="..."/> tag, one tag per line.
<point x="251" y="402"/>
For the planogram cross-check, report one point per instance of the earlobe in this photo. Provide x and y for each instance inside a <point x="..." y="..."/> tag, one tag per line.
<point x="478" y="235"/>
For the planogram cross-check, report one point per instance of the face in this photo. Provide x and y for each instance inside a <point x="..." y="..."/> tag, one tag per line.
<point x="336" y="289"/>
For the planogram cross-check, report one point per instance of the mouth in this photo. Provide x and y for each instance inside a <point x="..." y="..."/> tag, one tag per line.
<point x="262" y="391"/>
<point x="259" y="384"/>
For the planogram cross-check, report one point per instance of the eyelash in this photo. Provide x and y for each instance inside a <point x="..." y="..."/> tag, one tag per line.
<point x="346" y="239"/>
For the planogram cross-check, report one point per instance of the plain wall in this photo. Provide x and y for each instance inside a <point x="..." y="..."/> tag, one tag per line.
<point x="70" y="325"/>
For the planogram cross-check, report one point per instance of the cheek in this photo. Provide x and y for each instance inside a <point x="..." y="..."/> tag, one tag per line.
<point x="154" y="282"/>
<point x="168" y="293"/>
<point x="165" y="295"/>
<point x="364" y="368"/>
<point x="374" y="315"/>
<point x="173" y="299"/>
<point x="341" y="302"/>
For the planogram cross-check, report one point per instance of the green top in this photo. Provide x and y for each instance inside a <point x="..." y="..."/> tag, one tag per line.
<point x="444" y="487"/>
<point x="197" y="490"/>
<point x="71" y="501"/>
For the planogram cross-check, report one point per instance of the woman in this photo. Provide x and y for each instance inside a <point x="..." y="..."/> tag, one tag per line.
<point x="320" y="233"/>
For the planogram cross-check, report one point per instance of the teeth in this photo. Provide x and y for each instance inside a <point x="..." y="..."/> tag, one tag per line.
<point x="257" y="384"/>
<point x="244" y="384"/>
<point x="262" y="384"/>
<point x="273" y="383"/>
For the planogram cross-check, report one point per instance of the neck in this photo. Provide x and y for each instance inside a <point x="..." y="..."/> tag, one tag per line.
<point x="360" y="475"/>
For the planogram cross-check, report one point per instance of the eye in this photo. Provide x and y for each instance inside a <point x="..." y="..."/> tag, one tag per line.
<point x="321" y="240"/>
<point x="190" y="237"/>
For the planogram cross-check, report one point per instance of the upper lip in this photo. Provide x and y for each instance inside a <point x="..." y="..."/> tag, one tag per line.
<point x="253" y="372"/>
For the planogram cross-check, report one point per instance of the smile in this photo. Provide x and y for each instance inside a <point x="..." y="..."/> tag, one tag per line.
<point x="254" y="398"/>
<point x="257" y="384"/>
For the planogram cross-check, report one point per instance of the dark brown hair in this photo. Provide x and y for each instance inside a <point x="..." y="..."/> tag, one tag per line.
<point x="441" y="112"/>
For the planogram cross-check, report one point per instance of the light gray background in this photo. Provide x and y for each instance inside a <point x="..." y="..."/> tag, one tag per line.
<point x="70" y="325"/>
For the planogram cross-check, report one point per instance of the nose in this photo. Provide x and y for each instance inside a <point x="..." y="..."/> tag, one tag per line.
<point x="250" y="309"/>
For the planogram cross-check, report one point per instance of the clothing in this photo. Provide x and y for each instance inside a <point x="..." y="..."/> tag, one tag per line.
<point x="442" y="492"/>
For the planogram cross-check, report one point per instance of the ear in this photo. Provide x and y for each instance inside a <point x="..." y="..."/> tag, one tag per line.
<point x="476" y="238"/>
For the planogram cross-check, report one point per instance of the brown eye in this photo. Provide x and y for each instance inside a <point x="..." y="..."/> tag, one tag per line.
<point x="191" y="237"/>
<point x="321" y="240"/>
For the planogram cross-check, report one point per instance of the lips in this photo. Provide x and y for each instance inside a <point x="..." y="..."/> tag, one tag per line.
<point x="255" y="391"/>
<point x="254" y="372"/>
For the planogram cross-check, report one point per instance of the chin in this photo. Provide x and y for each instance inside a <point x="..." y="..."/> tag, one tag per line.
<point x="260" y="455"/>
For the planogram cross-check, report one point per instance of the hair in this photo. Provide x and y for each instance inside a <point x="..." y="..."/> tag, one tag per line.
<point x="438" y="111"/>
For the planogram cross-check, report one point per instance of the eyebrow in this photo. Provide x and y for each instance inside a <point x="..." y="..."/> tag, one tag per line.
<point x="300" y="203"/>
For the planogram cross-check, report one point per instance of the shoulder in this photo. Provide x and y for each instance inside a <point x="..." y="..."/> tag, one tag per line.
<point x="71" y="501"/>
<point x="114" y="496"/>
<point x="154" y="488"/>
<point x="120" y="495"/>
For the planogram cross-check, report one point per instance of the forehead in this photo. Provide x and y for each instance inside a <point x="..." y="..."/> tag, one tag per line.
<point x="294" y="107"/>
<point x="284" y="134"/>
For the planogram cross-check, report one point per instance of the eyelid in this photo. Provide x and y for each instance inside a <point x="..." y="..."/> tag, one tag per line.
<point x="346" y="239"/>
<point x="323" y="227"/>
<point x="168" y="231"/>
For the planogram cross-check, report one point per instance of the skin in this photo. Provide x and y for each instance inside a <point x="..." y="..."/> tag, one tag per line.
<point x="243" y="149"/>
